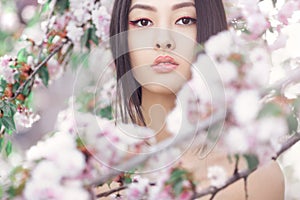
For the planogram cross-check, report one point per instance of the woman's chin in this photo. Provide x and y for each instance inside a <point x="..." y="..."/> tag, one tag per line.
<point x="166" y="89"/>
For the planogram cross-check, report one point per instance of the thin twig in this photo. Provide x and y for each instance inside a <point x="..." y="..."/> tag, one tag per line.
<point x="36" y="69"/>
<point x="105" y="194"/>
<point x="246" y="187"/>
<point x="290" y="142"/>
<point x="214" y="190"/>
<point x="47" y="28"/>
<point x="237" y="158"/>
<point x="244" y="174"/>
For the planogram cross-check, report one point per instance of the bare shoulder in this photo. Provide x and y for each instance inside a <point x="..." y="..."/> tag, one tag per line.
<point x="267" y="182"/>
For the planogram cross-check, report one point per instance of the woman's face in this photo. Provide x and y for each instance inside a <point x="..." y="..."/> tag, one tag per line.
<point x="161" y="41"/>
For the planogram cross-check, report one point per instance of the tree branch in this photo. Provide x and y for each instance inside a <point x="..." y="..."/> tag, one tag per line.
<point x="234" y="178"/>
<point x="245" y="173"/>
<point x="105" y="194"/>
<point x="47" y="28"/>
<point x="36" y="69"/>
<point x="290" y="142"/>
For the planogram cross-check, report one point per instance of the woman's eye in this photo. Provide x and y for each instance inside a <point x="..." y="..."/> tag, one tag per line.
<point x="186" y="21"/>
<point x="141" y="22"/>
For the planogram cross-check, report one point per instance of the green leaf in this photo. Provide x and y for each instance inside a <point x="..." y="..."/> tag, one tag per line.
<point x="178" y="188"/>
<point x="270" y="109"/>
<point x="44" y="75"/>
<point x="8" y="148"/>
<point x="26" y="90"/>
<point x="1" y="143"/>
<point x="78" y="59"/>
<point x="252" y="161"/>
<point x="45" y="7"/>
<point x="3" y="83"/>
<point x="13" y="108"/>
<point x="6" y="109"/>
<point x="1" y="192"/>
<point x="292" y="123"/>
<point x="85" y="39"/>
<point x="9" y="122"/>
<point x="29" y="100"/>
<point x="93" y="36"/>
<point x="296" y="105"/>
<point x="22" y="55"/>
<point x="176" y="175"/>
<point x="61" y="6"/>
<point x="106" y="112"/>
<point x="127" y="180"/>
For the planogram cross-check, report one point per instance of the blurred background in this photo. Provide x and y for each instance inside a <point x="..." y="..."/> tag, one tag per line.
<point x="20" y="17"/>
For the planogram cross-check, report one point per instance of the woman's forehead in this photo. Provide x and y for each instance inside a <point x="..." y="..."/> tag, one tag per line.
<point x="159" y="2"/>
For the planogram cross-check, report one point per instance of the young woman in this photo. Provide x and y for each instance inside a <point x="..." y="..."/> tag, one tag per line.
<point x="153" y="44"/>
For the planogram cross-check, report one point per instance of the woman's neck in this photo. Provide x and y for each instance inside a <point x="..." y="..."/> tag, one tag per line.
<point x="155" y="108"/>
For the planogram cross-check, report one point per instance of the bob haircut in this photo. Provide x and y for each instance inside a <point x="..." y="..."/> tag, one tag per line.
<point x="211" y="20"/>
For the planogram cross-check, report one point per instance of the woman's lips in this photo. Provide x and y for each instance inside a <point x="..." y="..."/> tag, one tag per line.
<point x="164" y="64"/>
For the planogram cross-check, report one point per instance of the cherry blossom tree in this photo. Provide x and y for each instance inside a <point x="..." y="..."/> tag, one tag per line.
<point x="241" y="111"/>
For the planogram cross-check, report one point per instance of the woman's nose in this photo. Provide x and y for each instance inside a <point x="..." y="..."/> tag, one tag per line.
<point x="164" y="40"/>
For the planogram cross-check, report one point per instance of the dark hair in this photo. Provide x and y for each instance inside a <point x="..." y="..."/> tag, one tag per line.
<point x="211" y="19"/>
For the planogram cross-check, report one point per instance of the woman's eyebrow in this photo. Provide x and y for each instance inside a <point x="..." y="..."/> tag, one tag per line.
<point x="182" y="5"/>
<point x="142" y="6"/>
<point x="151" y="8"/>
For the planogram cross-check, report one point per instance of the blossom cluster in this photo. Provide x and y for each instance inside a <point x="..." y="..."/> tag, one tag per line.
<point x="175" y="184"/>
<point x="86" y="146"/>
<point x="54" y="174"/>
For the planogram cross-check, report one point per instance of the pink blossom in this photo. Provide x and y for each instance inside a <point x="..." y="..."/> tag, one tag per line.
<point x="138" y="188"/>
<point x="257" y="24"/>
<point x="101" y="19"/>
<point x="185" y="195"/>
<point x="279" y="43"/>
<point x="288" y="10"/>
<point x="6" y="71"/>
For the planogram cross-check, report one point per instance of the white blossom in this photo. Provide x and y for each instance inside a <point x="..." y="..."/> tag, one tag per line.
<point x="246" y="106"/>
<point x="56" y="162"/>
<point x="42" y="1"/>
<point x="55" y="69"/>
<point x="228" y="71"/>
<point x="9" y="21"/>
<point x="25" y="117"/>
<point x="236" y="140"/>
<point x="220" y="44"/>
<point x="74" y="32"/>
<point x="271" y="128"/>
<point x="217" y="175"/>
